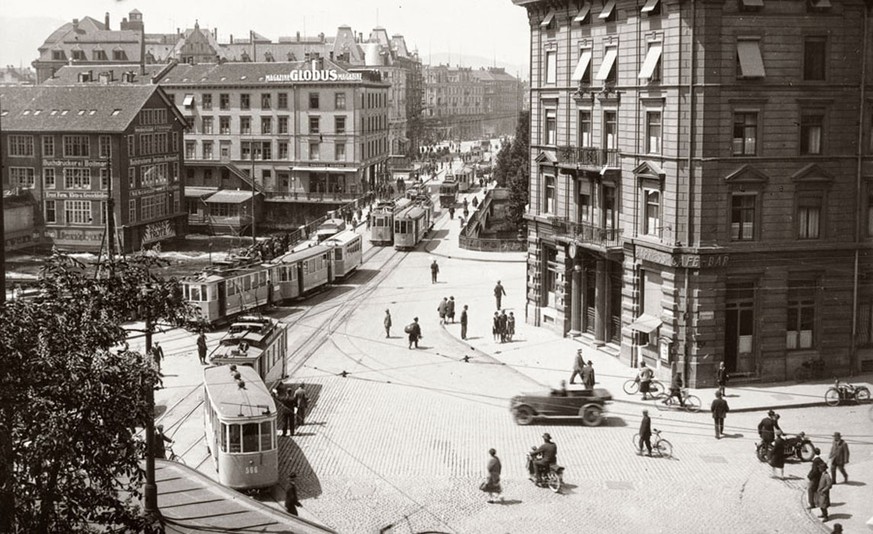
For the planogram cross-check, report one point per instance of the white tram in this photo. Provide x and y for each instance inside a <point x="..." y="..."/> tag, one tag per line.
<point x="382" y="221"/>
<point x="411" y="225"/>
<point x="346" y="252"/>
<point x="230" y="289"/>
<point x="329" y="228"/>
<point x="258" y="342"/>
<point x="240" y="427"/>
<point x="299" y="272"/>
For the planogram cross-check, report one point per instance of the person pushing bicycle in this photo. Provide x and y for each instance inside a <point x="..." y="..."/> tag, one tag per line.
<point x="676" y="390"/>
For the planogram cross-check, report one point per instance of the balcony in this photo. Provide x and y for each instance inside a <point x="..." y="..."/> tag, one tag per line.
<point x="589" y="159"/>
<point x="306" y="196"/>
<point x="590" y="234"/>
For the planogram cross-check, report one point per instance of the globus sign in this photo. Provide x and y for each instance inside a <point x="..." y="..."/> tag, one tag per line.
<point x="314" y="75"/>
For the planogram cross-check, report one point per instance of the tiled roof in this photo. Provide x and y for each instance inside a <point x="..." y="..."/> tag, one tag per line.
<point x="80" y="108"/>
<point x="69" y="74"/>
<point x="235" y="73"/>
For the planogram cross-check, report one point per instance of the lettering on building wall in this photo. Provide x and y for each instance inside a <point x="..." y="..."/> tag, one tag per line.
<point x="688" y="261"/>
<point x="158" y="231"/>
<point x="140" y="192"/>
<point x="314" y="75"/>
<point x="156" y="159"/>
<point x="73" y="235"/>
<point x="94" y="195"/>
<point x="74" y="163"/>
<point x="155" y="128"/>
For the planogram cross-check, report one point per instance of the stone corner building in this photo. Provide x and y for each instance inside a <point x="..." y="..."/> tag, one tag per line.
<point x="702" y="182"/>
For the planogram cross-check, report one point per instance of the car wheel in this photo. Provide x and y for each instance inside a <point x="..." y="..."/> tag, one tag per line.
<point x="524" y="415"/>
<point x="592" y="415"/>
<point x="807" y="452"/>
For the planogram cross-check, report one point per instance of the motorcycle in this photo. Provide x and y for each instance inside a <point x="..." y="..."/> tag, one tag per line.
<point x="797" y="447"/>
<point x="553" y="479"/>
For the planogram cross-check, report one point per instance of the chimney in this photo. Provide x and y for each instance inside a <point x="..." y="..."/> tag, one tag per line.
<point x="178" y="32"/>
<point x="75" y="25"/>
<point x="215" y="34"/>
<point x="321" y="37"/>
<point x="298" y="37"/>
<point x="106" y="20"/>
<point x="231" y="38"/>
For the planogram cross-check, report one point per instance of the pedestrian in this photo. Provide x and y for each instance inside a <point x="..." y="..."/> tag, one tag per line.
<point x="160" y="449"/>
<point x="491" y="484"/>
<point x="451" y="212"/>
<point x="434" y="270"/>
<point x="286" y="405"/>
<point x="510" y="326"/>
<point x="645" y="434"/>
<point x="814" y="476"/>
<point x="588" y="375"/>
<point x="839" y="457"/>
<point x="495" y="326"/>
<point x="465" y="203"/>
<point x="201" y="347"/>
<point x="157" y="355"/>
<point x="291" y="500"/>
<point x="838" y="528"/>
<point x="301" y="402"/>
<point x="777" y="456"/>
<point x="823" y="494"/>
<point x="499" y="292"/>
<point x="442" y="309"/>
<point x="502" y="326"/>
<point x="414" y="331"/>
<point x="387" y="323"/>
<point x="767" y="428"/>
<point x="719" y="409"/>
<point x="464" y="322"/>
<point x="721" y="377"/>
<point x="450" y="310"/>
<point x="578" y="365"/>
<point x="645" y="378"/>
<point x="369" y="216"/>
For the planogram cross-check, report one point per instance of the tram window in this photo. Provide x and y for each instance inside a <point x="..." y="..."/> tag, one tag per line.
<point x="283" y="274"/>
<point x="195" y="293"/>
<point x="293" y="272"/>
<point x="208" y="292"/>
<point x="231" y="288"/>
<point x="223" y="437"/>
<point x="338" y="254"/>
<point x="267" y="435"/>
<point x="247" y="283"/>
<point x="250" y="437"/>
<point x="262" y="278"/>
<point x="234" y="438"/>
<point x="185" y="293"/>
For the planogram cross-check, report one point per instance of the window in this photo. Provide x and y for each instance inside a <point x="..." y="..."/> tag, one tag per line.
<point x="266" y="101"/>
<point x="313" y="100"/>
<point x="608" y="13"/>
<point x="653" y="132"/>
<point x="750" y="64"/>
<point x="131" y="176"/>
<point x="266" y="125"/>
<point x="131" y="211"/>
<point x="814" y="59"/>
<point x="245" y="150"/>
<point x="282" y="101"/>
<point x="550" y="128"/>
<point x="105" y="146"/>
<point x="48" y="146"/>
<point x="48" y="178"/>
<point x="582" y="72"/>
<point x="550" y="194"/>
<point x="77" y="211"/>
<point x="551" y="66"/>
<point x="224" y="125"/>
<point x="745" y="139"/>
<point x="104" y="178"/>
<point x="314" y="151"/>
<point x="651" y="69"/>
<point x="607" y="71"/>
<point x="22" y="177"/>
<point x="224" y="101"/>
<point x="245" y="125"/>
<point x="266" y="150"/>
<point x="207" y="125"/>
<point x="743" y="216"/>
<point x="206" y="101"/>
<point x="340" y="125"/>
<point x="811" y="127"/>
<point x="79" y="55"/>
<point x="119" y="55"/>
<point x="267" y="435"/>
<point x="77" y="178"/>
<point x="21" y="145"/>
<point x="283" y="150"/>
<point x="584" y="138"/>
<point x="584" y="205"/>
<point x="245" y="101"/>
<point x="283" y="125"/>
<point x="809" y="212"/>
<point x="51" y="215"/>
<point x="340" y="151"/>
<point x="131" y="145"/>
<point x="340" y="101"/>
<point x="190" y="150"/>
<point x="175" y="142"/>
<point x="610" y="130"/>
<point x="58" y="55"/>
<point x="609" y="214"/>
<point x="652" y="219"/>
<point x="76" y="146"/>
<point x="207" y="149"/>
<point x="801" y="315"/>
<point x="313" y="125"/>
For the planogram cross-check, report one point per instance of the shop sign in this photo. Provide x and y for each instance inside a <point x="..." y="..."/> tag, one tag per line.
<point x="76" y="195"/>
<point x="314" y="75"/>
<point x="688" y="261"/>
<point x="158" y="231"/>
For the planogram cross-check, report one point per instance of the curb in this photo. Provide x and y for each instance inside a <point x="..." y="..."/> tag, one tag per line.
<point x="810" y="513"/>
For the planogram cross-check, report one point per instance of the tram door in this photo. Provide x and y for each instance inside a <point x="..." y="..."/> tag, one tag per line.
<point x="222" y="298"/>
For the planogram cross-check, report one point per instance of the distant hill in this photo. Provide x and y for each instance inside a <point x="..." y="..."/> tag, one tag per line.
<point x="521" y="70"/>
<point x="20" y="38"/>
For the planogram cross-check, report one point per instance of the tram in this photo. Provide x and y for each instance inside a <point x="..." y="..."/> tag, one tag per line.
<point x="257" y="342"/>
<point x="382" y="221"/>
<point x="346" y="253"/>
<point x="412" y="224"/>
<point x="448" y="193"/>
<point x="329" y="228"/>
<point x="240" y="426"/>
<point x="300" y="272"/>
<point x="228" y="289"/>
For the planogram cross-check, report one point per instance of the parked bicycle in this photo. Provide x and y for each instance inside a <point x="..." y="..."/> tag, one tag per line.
<point x="660" y="447"/>
<point x="844" y="391"/>
<point x="632" y="387"/>
<point x="811" y="369"/>
<point x="690" y="403"/>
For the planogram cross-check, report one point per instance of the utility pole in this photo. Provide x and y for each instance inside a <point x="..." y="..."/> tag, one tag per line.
<point x="254" y="235"/>
<point x="151" y="487"/>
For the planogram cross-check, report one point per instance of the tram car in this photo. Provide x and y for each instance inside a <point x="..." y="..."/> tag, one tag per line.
<point x="240" y="426"/>
<point x="297" y="273"/>
<point x="234" y="287"/>
<point x="412" y="224"/>
<point x="382" y="221"/>
<point x="257" y="342"/>
<point x="329" y="228"/>
<point x="448" y="193"/>
<point x="346" y="253"/>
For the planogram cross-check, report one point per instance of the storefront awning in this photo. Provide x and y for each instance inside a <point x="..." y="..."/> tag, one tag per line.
<point x="324" y="169"/>
<point x="197" y="192"/>
<point x="227" y="196"/>
<point x="646" y="324"/>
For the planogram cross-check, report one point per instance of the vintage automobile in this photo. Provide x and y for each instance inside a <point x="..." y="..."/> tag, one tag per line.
<point x="588" y="404"/>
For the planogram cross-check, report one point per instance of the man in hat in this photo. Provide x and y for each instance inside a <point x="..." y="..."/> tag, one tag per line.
<point x="499" y="293"/>
<point x="201" y="347"/>
<point x="578" y="366"/>
<point x="387" y="323"/>
<point x="588" y="375"/>
<point x="645" y="434"/>
<point x="548" y="455"/>
<point x="291" y="500"/>
<point x="767" y="428"/>
<point x="719" y="409"/>
<point x="839" y="457"/>
<point x="160" y="448"/>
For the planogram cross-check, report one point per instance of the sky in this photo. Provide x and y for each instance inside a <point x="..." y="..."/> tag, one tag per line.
<point x="489" y="30"/>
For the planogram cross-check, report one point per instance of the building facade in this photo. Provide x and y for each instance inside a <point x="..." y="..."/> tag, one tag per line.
<point x="77" y="148"/>
<point x="501" y="101"/>
<point x="702" y="189"/>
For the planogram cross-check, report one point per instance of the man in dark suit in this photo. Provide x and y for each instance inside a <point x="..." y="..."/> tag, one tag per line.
<point x="414" y="331"/>
<point x="464" y="322"/>
<point x="719" y="409"/>
<point x="578" y="366"/>
<point x="645" y="434"/>
<point x="549" y="452"/>
<point x="767" y="428"/>
<point x="291" y="500"/>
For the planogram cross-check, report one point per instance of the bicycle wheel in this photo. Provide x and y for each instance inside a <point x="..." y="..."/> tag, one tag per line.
<point x="555" y="482"/>
<point x="637" y="443"/>
<point x="832" y="397"/>
<point x="656" y="388"/>
<point x="664" y="448"/>
<point x="862" y="394"/>
<point x="663" y="401"/>
<point x="631" y="387"/>
<point x="692" y="403"/>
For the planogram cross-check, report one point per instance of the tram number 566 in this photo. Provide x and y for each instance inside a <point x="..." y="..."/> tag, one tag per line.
<point x="252" y="470"/>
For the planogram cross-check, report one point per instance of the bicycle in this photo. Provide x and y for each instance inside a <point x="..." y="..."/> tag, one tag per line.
<point x="661" y="447"/>
<point x="810" y="370"/>
<point x="846" y="392"/>
<point x="172" y="456"/>
<point x="690" y="403"/>
<point x="632" y="387"/>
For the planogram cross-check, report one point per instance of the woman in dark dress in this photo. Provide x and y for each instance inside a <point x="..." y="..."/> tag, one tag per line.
<point x="491" y="485"/>
<point x="777" y="456"/>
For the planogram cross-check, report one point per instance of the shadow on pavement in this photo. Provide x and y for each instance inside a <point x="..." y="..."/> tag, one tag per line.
<point x="438" y="234"/>
<point x="361" y="276"/>
<point x="292" y="460"/>
<point x="509" y="502"/>
<point x="853" y="483"/>
<point x="834" y="517"/>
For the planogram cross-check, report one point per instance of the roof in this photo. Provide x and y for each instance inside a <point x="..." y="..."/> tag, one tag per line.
<point x="344" y="237"/>
<point x="69" y="74"/>
<point x="412" y="212"/>
<point x="230" y="399"/>
<point x="246" y="73"/>
<point x="192" y="192"/>
<point x="293" y="257"/>
<point x="191" y="502"/>
<point x="229" y="196"/>
<point x="77" y="108"/>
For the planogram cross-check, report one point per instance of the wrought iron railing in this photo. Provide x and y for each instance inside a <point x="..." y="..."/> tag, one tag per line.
<point x="590" y="233"/>
<point x="588" y="157"/>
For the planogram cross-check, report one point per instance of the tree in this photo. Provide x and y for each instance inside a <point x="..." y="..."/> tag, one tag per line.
<point x="70" y="404"/>
<point x="519" y="172"/>
<point x="501" y="165"/>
